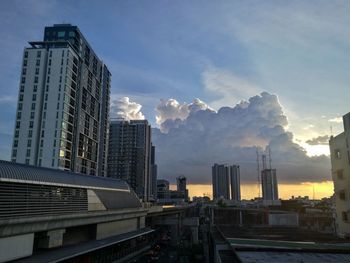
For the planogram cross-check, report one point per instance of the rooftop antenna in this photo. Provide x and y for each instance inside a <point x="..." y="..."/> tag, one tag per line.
<point x="258" y="169"/>
<point x="270" y="157"/>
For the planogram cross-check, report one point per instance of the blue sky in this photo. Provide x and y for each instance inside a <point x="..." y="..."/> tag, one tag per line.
<point x="218" y="51"/>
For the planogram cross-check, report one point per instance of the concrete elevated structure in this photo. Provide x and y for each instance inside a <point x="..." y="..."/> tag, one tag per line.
<point x="43" y="208"/>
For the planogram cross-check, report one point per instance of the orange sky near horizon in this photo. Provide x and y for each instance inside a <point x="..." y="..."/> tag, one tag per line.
<point x="285" y="191"/>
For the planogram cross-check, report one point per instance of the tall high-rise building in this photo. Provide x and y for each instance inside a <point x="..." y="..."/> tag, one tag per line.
<point x="182" y="186"/>
<point x="129" y="154"/>
<point x="154" y="170"/>
<point x="340" y="159"/>
<point x="63" y="104"/>
<point x="221" y="181"/>
<point x="226" y="182"/>
<point x="269" y="184"/>
<point x="235" y="179"/>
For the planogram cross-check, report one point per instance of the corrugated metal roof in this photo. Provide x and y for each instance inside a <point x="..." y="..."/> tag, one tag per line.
<point x="13" y="172"/>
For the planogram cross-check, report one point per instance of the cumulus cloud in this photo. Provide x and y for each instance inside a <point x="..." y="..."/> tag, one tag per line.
<point x="125" y="109"/>
<point x="231" y="135"/>
<point x="171" y="113"/>
<point x="336" y="120"/>
<point x="320" y="140"/>
<point x="227" y="86"/>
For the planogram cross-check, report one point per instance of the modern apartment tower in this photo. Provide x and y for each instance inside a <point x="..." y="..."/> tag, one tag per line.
<point x="154" y="171"/>
<point x="63" y="104"/>
<point x="129" y="154"/>
<point x="182" y="186"/>
<point x="235" y="180"/>
<point x="340" y="159"/>
<point x="221" y="181"/>
<point x="269" y="184"/>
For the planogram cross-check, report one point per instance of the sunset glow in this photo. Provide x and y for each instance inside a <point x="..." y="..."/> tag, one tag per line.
<point x="286" y="191"/>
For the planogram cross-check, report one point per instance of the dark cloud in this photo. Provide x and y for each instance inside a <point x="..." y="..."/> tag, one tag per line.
<point x="320" y="140"/>
<point x="232" y="135"/>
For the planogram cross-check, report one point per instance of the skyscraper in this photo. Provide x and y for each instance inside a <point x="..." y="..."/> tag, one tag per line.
<point x="221" y="181"/>
<point x="129" y="154"/>
<point x="235" y="179"/>
<point x="63" y="104"/>
<point x="182" y="187"/>
<point x="154" y="170"/>
<point x="340" y="159"/>
<point x="269" y="184"/>
<point x="226" y="182"/>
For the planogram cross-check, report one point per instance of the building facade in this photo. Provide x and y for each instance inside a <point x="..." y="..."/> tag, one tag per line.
<point x="269" y="184"/>
<point x="129" y="154"/>
<point x="340" y="159"/>
<point x="221" y="181"/>
<point x="154" y="172"/>
<point x="63" y="104"/>
<point x="235" y="179"/>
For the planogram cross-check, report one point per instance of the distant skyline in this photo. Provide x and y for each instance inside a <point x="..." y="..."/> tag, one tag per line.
<point x="218" y="52"/>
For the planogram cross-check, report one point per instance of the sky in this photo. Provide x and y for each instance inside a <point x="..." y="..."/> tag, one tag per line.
<point x="177" y="63"/>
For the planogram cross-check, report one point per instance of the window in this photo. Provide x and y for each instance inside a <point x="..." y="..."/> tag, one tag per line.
<point x="28" y="153"/>
<point x="53" y="163"/>
<point x="33" y="106"/>
<point x="26" y="54"/>
<point x="15" y="143"/>
<point x="37" y="62"/>
<point x="23" y="80"/>
<point x="30" y="133"/>
<point x="22" y="88"/>
<point x="16" y="133"/>
<point x="14" y="153"/>
<point x="21" y="97"/>
<point x="49" y="71"/>
<point x="29" y="143"/>
<point x="41" y="143"/>
<point x="50" y="53"/>
<point x="342" y="195"/>
<point x="337" y="154"/>
<point x="42" y="134"/>
<point x="27" y="161"/>
<point x="35" y="88"/>
<point x="49" y="62"/>
<point x="19" y="114"/>
<point x="61" y="34"/>
<point x="34" y="97"/>
<point x="24" y="63"/>
<point x="340" y="174"/>
<point x="36" y="79"/>
<point x="18" y="124"/>
<point x="344" y="216"/>
<point x="38" y="54"/>
<point x="20" y="106"/>
<point x="32" y="114"/>
<point x="24" y="71"/>
<point x="37" y="71"/>
<point x="39" y="162"/>
<point x="31" y="124"/>
<point x="48" y="79"/>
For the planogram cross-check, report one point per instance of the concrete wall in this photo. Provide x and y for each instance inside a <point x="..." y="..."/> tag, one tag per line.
<point x="284" y="219"/>
<point x="109" y="229"/>
<point x="16" y="247"/>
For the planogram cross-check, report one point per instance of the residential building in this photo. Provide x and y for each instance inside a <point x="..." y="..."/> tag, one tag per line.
<point x="181" y="186"/>
<point x="63" y="104"/>
<point x="221" y="181"/>
<point x="129" y="154"/>
<point x="340" y="159"/>
<point x="235" y="181"/>
<point x="154" y="171"/>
